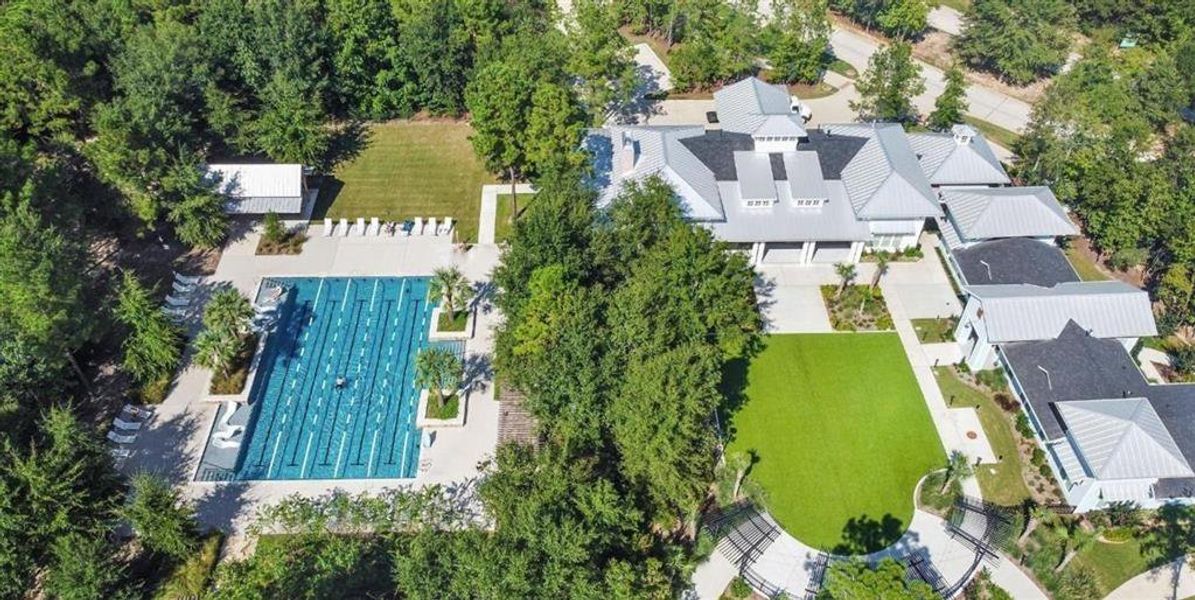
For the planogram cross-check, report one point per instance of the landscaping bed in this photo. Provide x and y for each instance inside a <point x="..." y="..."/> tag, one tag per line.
<point x="232" y="381"/>
<point x="449" y="411"/>
<point x="290" y="243"/>
<point x="857" y="308"/>
<point x="455" y="322"/>
<point x="841" y="436"/>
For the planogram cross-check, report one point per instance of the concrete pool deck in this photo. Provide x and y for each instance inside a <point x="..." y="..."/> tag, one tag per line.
<point x="172" y="439"/>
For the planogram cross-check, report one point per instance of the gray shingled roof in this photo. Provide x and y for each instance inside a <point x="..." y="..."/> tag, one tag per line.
<point x="962" y="157"/>
<point x="1109" y="309"/>
<point x="884" y="180"/>
<point x="1013" y="261"/>
<point x="755" y="107"/>
<point x="1123" y="438"/>
<point x="1074" y="366"/>
<point x="989" y="213"/>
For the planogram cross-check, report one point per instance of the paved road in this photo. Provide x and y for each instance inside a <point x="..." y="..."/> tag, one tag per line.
<point x="987" y="104"/>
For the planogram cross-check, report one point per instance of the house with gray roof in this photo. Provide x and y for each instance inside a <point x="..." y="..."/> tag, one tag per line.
<point x="758" y="178"/>
<point x="1008" y="313"/>
<point x="1108" y="433"/>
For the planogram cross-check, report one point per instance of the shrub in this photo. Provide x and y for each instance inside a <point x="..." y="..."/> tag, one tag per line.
<point x="1023" y="426"/>
<point x="1045" y="471"/>
<point x="1006" y="402"/>
<point x="739" y="589"/>
<point x="1118" y="534"/>
<point x="1039" y="457"/>
<point x="272" y="229"/>
<point x="1128" y="258"/>
<point x="992" y="379"/>
<point x="1182" y="358"/>
<point x="155" y="391"/>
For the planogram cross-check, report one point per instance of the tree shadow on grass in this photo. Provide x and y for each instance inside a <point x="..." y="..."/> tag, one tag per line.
<point x="329" y="190"/>
<point x="864" y="535"/>
<point x="347" y="143"/>
<point x="734" y="395"/>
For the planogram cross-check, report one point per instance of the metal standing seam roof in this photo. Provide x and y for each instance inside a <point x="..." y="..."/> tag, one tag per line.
<point x="661" y="153"/>
<point x="989" y="213"/>
<point x="755" y="176"/>
<point x="258" y="188"/>
<point x="884" y="179"/>
<point x="1123" y="438"/>
<point x="756" y="107"/>
<point x="805" y="179"/>
<point x="959" y="158"/>
<point x="1108" y="309"/>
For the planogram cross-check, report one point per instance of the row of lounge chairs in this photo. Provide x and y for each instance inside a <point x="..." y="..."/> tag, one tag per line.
<point x="179" y="300"/>
<point x="124" y="430"/>
<point x="376" y="228"/>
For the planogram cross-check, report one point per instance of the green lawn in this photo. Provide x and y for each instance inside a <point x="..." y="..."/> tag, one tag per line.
<point x="935" y="331"/>
<point x="504" y="224"/>
<point x="410" y="169"/>
<point x="1001" y="483"/>
<point x="842" y="436"/>
<point x="995" y="133"/>
<point x="1085" y="268"/>
<point x="1114" y="564"/>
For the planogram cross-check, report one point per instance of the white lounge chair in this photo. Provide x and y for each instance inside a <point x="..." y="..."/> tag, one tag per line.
<point x="446" y="228"/>
<point x="126" y="425"/>
<point x="418" y="228"/>
<point x="121" y="439"/>
<point x="120" y="452"/>
<point x="359" y="227"/>
<point x="343" y="227"/>
<point x="228" y="431"/>
<point x="431" y="227"/>
<point x="137" y="411"/>
<point x="172" y="301"/>
<point x="182" y="288"/>
<point x="226" y="443"/>
<point x="175" y="313"/>
<point x="327" y="227"/>
<point x="187" y="279"/>
<point x="375" y="228"/>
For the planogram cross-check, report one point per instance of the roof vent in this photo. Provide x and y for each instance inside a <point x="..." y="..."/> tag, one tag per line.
<point x="963" y="134"/>
<point x="1049" y="382"/>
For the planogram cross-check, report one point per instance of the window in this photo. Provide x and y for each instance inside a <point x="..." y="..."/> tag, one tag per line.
<point x="757" y="203"/>
<point x="808" y="202"/>
<point x="881" y="241"/>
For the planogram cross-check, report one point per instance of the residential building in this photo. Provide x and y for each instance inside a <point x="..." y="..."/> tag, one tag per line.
<point x="759" y="179"/>
<point x="259" y="188"/>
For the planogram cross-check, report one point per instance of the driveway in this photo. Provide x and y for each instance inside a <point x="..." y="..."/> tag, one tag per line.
<point x="985" y="103"/>
<point x="791" y="307"/>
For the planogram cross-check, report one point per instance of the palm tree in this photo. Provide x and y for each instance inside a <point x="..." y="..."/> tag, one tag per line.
<point x="449" y="286"/>
<point x="1078" y="539"/>
<point x="228" y="311"/>
<point x="958" y="467"/>
<point x="1038" y="514"/>
<point x="216" y="349"/>
<point x="881" y="269"/>
<point x="846" y="272"/>
<point x="437" y="369"/>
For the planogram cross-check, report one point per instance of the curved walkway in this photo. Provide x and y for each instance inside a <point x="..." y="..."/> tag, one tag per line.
<point x="1167" y="582"/>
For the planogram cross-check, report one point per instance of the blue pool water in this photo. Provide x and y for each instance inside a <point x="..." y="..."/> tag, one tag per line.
<point x="364" y="329"/>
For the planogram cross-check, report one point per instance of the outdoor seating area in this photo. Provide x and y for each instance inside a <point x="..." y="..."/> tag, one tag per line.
<point x="125" y="427"/>
<point x="178" y="302"/>
<point x="416" y="226"/>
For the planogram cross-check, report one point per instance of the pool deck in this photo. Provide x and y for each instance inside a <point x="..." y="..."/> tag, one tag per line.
<point x="171" y="441"/>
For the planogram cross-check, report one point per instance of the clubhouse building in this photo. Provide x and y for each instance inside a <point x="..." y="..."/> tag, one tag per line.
<point x="762" y="181"/>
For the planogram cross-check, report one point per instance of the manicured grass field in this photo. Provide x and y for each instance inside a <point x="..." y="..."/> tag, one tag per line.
<point x="410" y="169"/>
<point x="504" y="225"/>
<point x="842" y="436"/>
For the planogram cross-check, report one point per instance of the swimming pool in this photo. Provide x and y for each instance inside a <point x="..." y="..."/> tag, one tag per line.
<point x="334" y="396"/>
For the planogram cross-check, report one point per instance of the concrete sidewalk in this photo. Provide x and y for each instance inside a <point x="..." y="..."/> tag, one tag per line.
<point x="487" y="223"/>
<point x="1168" y="582"/>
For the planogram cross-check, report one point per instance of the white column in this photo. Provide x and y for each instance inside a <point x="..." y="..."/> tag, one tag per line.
<point x="757" y="250"/>
<point x="856" y="251"/>
<point x="807" y="252"/>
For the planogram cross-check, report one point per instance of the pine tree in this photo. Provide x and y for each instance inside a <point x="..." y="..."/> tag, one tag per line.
<point x="951" y="105"/>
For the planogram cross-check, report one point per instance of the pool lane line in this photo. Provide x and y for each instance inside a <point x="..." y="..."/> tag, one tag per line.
<point x="396" y="404"/>
<point x="404" y="401"/>
<point x="311" y="379"/>
<point x="376" y="372"/>
<point x="334" y="404"/>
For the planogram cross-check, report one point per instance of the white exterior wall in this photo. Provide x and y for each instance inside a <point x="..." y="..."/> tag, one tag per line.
<point x="895" y="235"/>
<point x="982" y="355"/>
